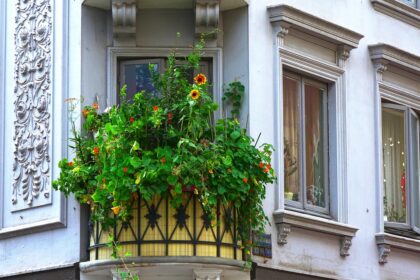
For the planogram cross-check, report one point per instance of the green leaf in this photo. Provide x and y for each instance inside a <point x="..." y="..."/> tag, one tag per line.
<point x="227" y="160"/>
<point x="172" y="180"/>
<point x="135" y="162"/>
<point x="235" y="134"/>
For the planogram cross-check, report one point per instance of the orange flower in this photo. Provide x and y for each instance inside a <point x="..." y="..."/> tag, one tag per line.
<point x="96" y="150"/>
<point x="261" y="164"/>
<point x="200" y="79"/>
<point x="163" y="160"/>
<point x="194" y="94"/>
<point x="266" y="170"/>
<point x="245" y="180"/>
<point x="269" y="166"/>
<point x="170" y="116"/>
<point x="116" y="210"/>
<point x="85" y="113"/>
<point x="125" y="169"/>
<point x="131" y="119"/>
<point x="70" y="163"/>
<point x="95" y="106"/>
<point x="155" y="108"/>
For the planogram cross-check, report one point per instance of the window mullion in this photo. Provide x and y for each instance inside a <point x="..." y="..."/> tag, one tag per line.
<point x="303" y="144"/>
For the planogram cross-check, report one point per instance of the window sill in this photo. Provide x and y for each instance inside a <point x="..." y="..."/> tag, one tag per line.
<point x="398" y="10"/>
<point x="385" y="241"/>
<point x="286" y="219"/>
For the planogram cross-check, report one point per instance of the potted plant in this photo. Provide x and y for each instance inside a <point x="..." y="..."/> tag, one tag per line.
<point x="164" y="146"/>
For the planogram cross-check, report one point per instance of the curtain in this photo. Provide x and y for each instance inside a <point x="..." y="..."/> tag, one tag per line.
<point x="291" y="138"/>
<point x="394" y="166"/>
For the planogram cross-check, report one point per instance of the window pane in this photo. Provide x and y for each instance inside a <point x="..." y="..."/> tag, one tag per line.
<point x="315" y="146"/>
<point x="291" y="138"/>
<point x="394" y="169"/>
<point x="414" y="170"/>
<point x="138" y="78"/>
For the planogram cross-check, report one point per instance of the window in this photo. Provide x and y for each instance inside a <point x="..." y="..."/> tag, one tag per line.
<point x="305" y="155"/>
<point x="400" y="149"/>
<point x="137" y="73"/>
<point x="409" y="2"/>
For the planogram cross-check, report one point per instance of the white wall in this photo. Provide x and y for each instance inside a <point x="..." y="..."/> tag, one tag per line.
<point x="36" y="250"/>
<point x="312" y="252"/>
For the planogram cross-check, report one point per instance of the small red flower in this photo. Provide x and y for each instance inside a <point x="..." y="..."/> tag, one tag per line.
<point x="266" y="170"/>
<point x="261" y="164"/>
<point x="155" y="108"/>
<point x="269" y="166"/>
<point x="125" y="169"/>
<point x="245" y="180"/>
<point x="131" y="119"/>
<point x="70" y="163"/>
<point x="163" y="160"/>
<point x="96" y="150"/>
<point x="95" y="106"/>
<point x="170" y="116"/>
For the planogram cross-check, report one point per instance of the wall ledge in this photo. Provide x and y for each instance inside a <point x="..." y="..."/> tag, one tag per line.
<point x="386" y="241"/>
<point x="398" y="10"/>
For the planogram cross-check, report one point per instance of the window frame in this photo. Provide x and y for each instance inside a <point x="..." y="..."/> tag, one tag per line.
<point x="114" y="54"/>
<point x="302" y="204"/>
<point x="409" y="157"/>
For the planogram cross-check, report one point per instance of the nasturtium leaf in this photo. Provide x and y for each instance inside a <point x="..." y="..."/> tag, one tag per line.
<point x="135" y="162"/>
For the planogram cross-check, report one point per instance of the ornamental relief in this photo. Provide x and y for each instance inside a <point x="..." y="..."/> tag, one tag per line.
<point x="31" y="168"/>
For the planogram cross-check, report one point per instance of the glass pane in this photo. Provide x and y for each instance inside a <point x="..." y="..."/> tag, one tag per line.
<point x="138" y="77"/>
<point x="394" y="149"/>
<point x="291" y="138"/>
<point x="414" y="169"/>
<point x="315" y="146"/>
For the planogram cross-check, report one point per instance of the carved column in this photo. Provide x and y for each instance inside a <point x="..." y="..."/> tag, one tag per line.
<point x="206" y="16"/>
<point x="124" y="21"/>
<point x="31" y="167"/>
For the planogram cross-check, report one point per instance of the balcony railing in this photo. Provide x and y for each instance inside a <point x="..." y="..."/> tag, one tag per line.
<point x="156" y="229"/>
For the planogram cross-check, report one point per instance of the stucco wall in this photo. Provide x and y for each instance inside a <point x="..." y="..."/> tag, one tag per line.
<point x="306" y="250"/>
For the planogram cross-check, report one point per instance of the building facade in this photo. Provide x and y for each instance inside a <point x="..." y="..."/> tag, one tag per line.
<point x="333" y="85"/>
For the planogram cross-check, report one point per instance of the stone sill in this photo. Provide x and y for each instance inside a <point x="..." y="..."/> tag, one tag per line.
<point x="285" y="220"/>
<point x="385" y="241"/>
<point x="398" y="10"/>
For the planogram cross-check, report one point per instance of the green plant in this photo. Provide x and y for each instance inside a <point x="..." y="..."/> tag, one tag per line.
<point x="170" y="143"/>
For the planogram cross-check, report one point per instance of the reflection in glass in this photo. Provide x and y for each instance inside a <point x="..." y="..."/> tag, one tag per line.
<point x="314" y="146"/>
<point x="138" y="77"/>
<point x="394" y="167"/>
<point x="291" y="138"/>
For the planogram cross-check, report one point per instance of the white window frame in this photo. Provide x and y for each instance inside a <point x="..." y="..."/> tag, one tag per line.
<point x="115" y="53"/>
<point x="330" y="70"/>
<point x="409" y="157"/>
<point x="384" y="56"/>
<point x="302" y="204"/>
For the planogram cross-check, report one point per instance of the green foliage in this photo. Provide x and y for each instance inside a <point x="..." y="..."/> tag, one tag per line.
<point x="154" y="145"/>
<point x="233" y="95"/>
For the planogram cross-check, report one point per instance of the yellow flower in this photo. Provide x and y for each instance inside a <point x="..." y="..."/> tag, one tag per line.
<point x="195" y="94"/>
<point x="200" y="79"/>
<point x="116" y="210"/>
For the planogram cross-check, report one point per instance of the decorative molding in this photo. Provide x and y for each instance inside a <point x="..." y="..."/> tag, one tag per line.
<point x="313" y="25"/>
<point x="345" y="244"/>
<point x="283" y="231"/>
<point x="124" y="21"/>
<point x="206" y="16"/>
<point x="32" y="228"/>
<point x="31" y="168"/>
<point x="398" y="10"/>
<point x="3" y="23"/>
<point x="385" y="54"/>
<point x="385" y="241"/>
<point x="207" y="274"/>
<point x="285" y="220"/>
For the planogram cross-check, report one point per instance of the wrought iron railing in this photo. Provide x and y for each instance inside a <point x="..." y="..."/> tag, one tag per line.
<point x="157" y="229"/>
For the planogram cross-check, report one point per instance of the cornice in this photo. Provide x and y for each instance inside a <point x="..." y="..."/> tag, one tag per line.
<point x="386" y="54"/>
<point x="398" y="10"/>
<point x="319" y="27"/>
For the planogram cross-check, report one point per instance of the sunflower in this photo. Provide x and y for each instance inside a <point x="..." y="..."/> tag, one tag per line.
<point x="200" y="79"/>
<point x="195" y="94"/>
